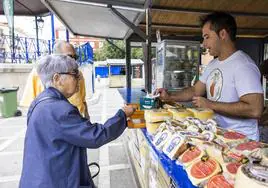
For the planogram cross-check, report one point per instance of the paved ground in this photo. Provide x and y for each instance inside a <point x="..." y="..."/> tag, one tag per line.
<point x="116" y="171"/>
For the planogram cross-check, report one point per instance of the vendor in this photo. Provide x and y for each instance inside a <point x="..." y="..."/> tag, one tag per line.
<point x="231" y="81"/>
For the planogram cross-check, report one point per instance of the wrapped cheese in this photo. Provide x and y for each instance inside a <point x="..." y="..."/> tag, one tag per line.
<point x="161" y="138"/>
<point x="191" y="155"/>
<point x="218" y="181"/>
<point x="233" y="138"/>
<point x="202" y="170"/>
<point x="251" y="176"/>
<point x="175" y="146"/>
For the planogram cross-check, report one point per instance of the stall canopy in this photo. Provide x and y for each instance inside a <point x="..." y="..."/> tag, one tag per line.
<point x="98" y="18"/>
<point x="180" y="17"/>
<point x="27" y="8"/>
<point x="113" y="18"/>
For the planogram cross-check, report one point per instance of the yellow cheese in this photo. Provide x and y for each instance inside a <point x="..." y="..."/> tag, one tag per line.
<point x="152" y="127"/>
<point x="180" y="114"/>
<point x="157" y="115"/>
<point x="202" y="113"/>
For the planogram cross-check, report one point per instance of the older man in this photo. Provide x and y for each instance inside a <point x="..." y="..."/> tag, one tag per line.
<point x="34" y="86"/>
<point x="57" y="135"/>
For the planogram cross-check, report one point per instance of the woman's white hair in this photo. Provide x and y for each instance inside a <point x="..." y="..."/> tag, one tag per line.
<point x="52" y="64"/>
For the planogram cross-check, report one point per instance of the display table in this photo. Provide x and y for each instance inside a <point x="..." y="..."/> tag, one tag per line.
<point x="175" y="171"/>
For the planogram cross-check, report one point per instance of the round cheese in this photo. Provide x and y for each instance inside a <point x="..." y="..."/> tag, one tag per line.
<point x="202" y="113"/>
<point x="152" y="127"/>
<point x="157" y="115"/>
<point x="180" y="114"/>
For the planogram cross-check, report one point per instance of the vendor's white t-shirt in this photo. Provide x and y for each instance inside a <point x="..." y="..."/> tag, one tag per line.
<point x="227" y="81"/>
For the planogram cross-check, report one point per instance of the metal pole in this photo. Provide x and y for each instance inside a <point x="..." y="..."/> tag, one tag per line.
<point x="37" y="37"/>
<point x="52" y="31"/>
<point x="148" y="62"/>
<point x="13" y="37"/>
<point x="128" y="63"/>
<point x="67" y="36"/>
<point x="26" y="50"/>
<point x="49" y="47"/>
<point x="128" y="70"/>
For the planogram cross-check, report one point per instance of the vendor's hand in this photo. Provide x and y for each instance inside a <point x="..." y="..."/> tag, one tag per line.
<point x="129" y="110"/>
<point x="201" y="102"/>
<point x="163" y="94"/>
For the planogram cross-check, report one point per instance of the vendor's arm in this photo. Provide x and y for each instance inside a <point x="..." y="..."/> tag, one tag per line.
<point x="186" y="94"/>
<point x="81" y="132"/>
<point x="248" y="106"/>
<point x="249" y="90"/>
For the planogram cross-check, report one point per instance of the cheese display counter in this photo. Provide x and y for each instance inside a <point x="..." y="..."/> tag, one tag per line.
<point x="194" y="152"/>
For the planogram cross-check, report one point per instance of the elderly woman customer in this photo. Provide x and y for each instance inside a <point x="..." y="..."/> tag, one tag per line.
<point x="57" y="135"/>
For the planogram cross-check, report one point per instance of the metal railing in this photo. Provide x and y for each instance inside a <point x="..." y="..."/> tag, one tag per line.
<point x="25" y="50"/>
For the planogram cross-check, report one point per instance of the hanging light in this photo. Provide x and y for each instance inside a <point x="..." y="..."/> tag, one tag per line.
<point x="40" y="23"/>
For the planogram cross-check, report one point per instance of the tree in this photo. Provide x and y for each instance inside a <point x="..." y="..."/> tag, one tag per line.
<point x="108" y="51"/>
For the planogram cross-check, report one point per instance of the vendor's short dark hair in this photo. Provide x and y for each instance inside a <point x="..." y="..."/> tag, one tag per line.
<point x="219" y="21"/>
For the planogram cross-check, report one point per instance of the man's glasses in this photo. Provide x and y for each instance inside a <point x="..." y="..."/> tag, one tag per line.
<point x="74" y="73"/>
<point x="74" y="56"/>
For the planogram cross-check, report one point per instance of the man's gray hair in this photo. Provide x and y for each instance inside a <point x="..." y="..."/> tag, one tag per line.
<point x="58" y="47"/>
<point x="52" y="64"/>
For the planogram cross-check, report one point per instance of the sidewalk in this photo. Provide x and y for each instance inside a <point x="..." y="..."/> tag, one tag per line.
<point x="116" y="170"/>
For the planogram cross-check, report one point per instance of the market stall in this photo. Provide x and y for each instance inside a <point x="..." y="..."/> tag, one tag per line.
<point x="184" y="147"/>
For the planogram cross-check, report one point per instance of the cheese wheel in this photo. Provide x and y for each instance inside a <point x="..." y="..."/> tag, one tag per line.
<point x="180" y="114"/>
<point x="218" y="181"/>
<point x="152" y="127"/>
<point x="245" y="177"/>
<point x="201" y="170"/>
<point x="191" y="155"/>
<point x="157" y="115"/>
<point x="202" y="113"/>
<point x="175" y="146"/>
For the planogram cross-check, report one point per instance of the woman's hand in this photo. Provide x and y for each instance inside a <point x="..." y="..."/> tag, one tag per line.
<point x="129" y="110"/>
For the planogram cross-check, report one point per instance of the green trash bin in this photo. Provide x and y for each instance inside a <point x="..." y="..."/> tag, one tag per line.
<point x="8" y="101"/>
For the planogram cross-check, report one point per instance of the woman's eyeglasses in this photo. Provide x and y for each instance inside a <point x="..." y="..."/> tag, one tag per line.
<point x="75" y="57"/>
<point x="74" y="73"/>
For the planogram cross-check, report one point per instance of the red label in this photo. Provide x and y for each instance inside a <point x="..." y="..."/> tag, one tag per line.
<point x="233" y="167"/>
<point x="203" y="169"/>
<point x="190" y="155"/>
<point x="234" y="135"/>
<point x="218" y="181"/>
